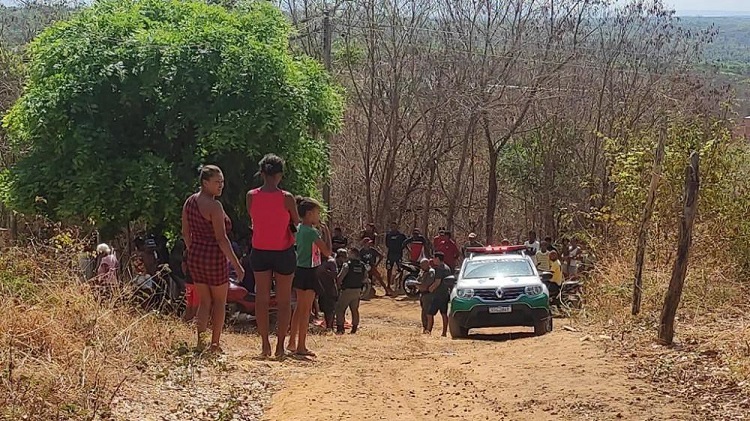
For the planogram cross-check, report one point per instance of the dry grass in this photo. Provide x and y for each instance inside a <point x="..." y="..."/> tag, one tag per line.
<point x="64" y="355"/>
<point x="710" y="364"/>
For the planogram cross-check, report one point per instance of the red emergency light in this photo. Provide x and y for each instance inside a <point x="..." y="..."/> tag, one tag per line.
<point x="496" y="249"/>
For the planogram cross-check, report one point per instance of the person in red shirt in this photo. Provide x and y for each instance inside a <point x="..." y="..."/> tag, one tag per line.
<point x="437" y="242"/>
<point x="417" y="246"/>
<point x="450" y="250"/>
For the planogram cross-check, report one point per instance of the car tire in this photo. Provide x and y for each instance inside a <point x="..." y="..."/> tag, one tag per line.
<point x="457" y="331"/>
<point x="543" y="326"/>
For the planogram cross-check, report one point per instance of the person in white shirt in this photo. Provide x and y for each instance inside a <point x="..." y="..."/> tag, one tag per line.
<point x="574" y="256"/>
<point x="542" y="257"/>
<point x="532" y="246"/>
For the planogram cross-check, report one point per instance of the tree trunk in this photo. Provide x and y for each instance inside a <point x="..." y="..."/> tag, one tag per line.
<point x="428" y="199"/>
<point x="491" y="196"/>
<point x="648" y="210"/>
<point x="679" y="270"/>
<point x="13" y="219"/>
<point x="455" y="198"/>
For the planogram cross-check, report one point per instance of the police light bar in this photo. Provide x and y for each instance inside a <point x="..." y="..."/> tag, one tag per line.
<point x="496" y="249"/>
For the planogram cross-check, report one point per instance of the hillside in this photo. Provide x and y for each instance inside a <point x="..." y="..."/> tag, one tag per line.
<point x="730" y="51"/>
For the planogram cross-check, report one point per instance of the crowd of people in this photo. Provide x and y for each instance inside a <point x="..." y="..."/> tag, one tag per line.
<point x="291" y="251"/>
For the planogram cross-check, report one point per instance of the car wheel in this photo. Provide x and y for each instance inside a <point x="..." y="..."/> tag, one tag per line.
<point x="543" y="326"/>
<point x="457" y="331"/>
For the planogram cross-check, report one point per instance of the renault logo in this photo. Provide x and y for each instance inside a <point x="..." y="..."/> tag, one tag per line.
<point x="499" y="293"/>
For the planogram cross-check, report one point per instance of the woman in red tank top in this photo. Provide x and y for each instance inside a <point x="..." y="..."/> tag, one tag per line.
<point x="204" y="228"/>
<point x="273" y="213"/>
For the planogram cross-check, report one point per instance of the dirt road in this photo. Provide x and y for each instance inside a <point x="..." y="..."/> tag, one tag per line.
<point x="389" y="371"/>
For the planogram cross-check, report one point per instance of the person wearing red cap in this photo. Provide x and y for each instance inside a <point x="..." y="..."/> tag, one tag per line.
<point x="372" y="257"/>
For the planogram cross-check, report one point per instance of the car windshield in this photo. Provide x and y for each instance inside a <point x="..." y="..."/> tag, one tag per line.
<point x="497" y="269"/>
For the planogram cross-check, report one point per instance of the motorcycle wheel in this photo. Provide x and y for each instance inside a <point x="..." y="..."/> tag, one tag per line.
<point x="367" y="292"/>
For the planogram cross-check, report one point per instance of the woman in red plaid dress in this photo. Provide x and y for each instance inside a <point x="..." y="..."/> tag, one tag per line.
<point x="204" y="228"/>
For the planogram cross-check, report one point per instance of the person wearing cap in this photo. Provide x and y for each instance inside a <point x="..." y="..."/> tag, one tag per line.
<point x="437" y="242"/>
<point x="372" y="257"/>
<point x="417" y="246"/>
<point x="426" y="279"/>
<point x="473" y="242"/>
<point x="350" y="281"/>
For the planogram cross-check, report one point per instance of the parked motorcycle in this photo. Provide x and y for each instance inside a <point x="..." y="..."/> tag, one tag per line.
<point x="242" y="301"/>
<point x="410" y="274"/>
<point x="569" y="297"/>
<point x="368" y="290"/>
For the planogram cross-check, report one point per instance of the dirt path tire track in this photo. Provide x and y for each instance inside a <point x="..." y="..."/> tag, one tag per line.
<point x="389" y="371"/>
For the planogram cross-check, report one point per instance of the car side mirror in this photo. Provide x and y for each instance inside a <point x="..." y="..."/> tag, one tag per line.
<point x="546" y="276"/>
<point x="450" y="281"/>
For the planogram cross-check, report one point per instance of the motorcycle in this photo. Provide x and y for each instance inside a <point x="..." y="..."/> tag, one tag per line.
<point x="569" y="297"/>
<point x="368" y="291"/>
<point x="242" y="301"/>
<point x="410" y="274"/>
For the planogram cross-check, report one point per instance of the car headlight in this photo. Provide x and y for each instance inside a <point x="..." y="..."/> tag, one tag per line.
<point x="465" y="293"/>
<point x="534" y="289"/>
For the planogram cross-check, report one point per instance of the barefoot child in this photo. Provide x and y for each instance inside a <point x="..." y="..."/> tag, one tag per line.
<point x="310" y="247"/>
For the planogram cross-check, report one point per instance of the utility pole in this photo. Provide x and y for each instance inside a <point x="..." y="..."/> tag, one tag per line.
<point x="327" y="38"/>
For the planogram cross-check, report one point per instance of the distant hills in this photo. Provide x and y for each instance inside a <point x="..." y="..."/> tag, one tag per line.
<point x="712" y="13"/>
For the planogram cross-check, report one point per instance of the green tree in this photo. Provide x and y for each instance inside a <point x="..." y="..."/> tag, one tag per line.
<point x="126" y="99"/>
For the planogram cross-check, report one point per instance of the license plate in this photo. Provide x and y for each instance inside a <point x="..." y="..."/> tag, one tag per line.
<point x="501" y="309"/>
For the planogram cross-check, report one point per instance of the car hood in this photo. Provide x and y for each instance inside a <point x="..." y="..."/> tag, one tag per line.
<point x="499" y="282"/>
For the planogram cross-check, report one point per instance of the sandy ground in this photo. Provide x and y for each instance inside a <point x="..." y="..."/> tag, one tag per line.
<point x="390" y="371"/>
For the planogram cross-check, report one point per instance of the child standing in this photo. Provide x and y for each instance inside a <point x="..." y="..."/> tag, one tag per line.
<point x="310" y="249"/>
<point x="351" y="280"/>
<point x="557" y="274"/>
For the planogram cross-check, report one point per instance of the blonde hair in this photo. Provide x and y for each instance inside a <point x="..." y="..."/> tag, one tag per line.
<point x="103" y="249"/>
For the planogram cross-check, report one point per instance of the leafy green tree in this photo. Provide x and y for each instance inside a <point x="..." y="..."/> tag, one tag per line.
<point x="126" y="99"/>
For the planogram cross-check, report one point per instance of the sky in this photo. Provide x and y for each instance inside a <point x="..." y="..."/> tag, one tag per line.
<point x="712" y="5"/>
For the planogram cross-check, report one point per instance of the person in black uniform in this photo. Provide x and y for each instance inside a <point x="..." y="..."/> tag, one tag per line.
<point x="351" y="279"/>
<point x="394" y="243"/>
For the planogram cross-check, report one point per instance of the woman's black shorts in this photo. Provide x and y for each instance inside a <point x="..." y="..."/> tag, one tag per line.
<point x="283" y="262"/>
<point x="306" y="279"/>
